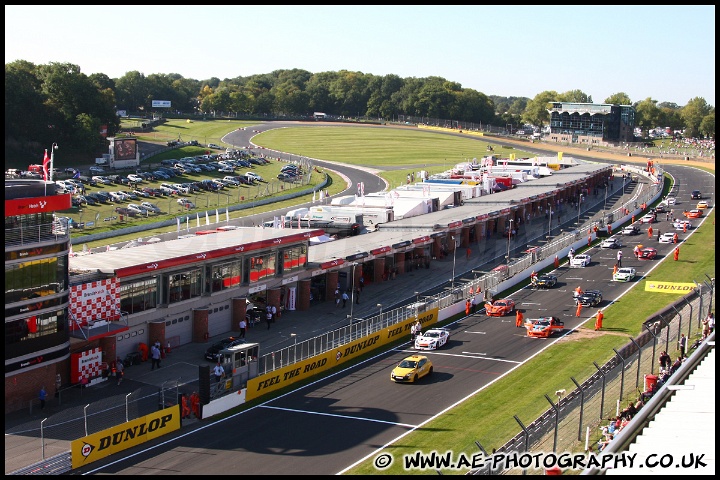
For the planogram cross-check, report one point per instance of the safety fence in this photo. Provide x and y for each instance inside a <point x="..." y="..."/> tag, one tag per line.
<point x="573" y="422"/>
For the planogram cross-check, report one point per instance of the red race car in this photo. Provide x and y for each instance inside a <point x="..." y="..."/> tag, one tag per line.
<point x="500" y="308"/>
<point x="693" y="213"/>
<point x="647" y="253"/>
<point x="543" y="327"/>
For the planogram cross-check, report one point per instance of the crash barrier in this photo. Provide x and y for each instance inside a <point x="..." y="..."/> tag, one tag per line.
<point x="451" y="301"/>
<point x="572" y="422"/>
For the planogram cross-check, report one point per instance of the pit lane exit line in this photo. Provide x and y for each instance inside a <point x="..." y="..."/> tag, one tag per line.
<point x="339" y="416"/>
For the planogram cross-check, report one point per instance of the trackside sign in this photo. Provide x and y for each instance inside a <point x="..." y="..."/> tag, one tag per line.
<point x="282" y="377"/>
<point x="669" y="287"/>
<point x="116" y="439"/>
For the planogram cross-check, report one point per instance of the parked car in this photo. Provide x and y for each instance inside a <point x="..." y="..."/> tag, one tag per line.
<point x="624" y="274"/>
<point x="135" y="178"/>
<point x="213" y="145"/>
<point x="432" y="339"/>
<point x="287" y="177"/>
<point x="631" y="230"/>
<point x="125" y="211"/>
<point x="411" y="369"/>
<point x="140" y="193"/>
<point x="186" y="203"/>
<point x="500" y="308"/>
<point x="581" y="260"/>
<point x="213" y="350"/>
<point x="96" y="170"/>
<point x="151" y="207"/>
<point x="611" y="243"/>
<point x="128" y="195"/>
<point x="254" y="176"/>
<point x="133" y="207"/>
<point x="231" y="180"/>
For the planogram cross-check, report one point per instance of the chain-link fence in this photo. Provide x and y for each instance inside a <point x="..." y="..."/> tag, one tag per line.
<point x="573" y="421"/>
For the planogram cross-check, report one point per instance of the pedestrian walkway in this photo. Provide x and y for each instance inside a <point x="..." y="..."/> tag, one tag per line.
<point x="179" y="369"/>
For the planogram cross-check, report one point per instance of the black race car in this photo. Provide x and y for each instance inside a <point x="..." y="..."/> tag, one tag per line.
<point x="546" y="281"/>
<point x="590" y="298"/>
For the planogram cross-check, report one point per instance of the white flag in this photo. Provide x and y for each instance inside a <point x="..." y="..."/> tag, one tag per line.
<point x="187" y="223"/>
<point x="207" y="218"/>
<point x="197" y="217"/>
<point x="217" y="216"/>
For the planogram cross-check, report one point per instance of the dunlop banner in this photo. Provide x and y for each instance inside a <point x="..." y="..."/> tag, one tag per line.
<point x="116" y="439"/>
<point x="282" y="377"/>
<point x="669" y="287"/>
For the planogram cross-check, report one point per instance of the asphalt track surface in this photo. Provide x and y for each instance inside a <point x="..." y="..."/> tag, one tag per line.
<point x="336" y="422"/>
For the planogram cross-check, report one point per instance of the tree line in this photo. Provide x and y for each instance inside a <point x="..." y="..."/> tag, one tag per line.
<point x="57" y="103"/>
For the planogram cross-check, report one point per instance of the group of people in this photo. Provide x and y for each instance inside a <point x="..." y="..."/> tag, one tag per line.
<point x="708" y="325"/>
<point x="617" y="423"/>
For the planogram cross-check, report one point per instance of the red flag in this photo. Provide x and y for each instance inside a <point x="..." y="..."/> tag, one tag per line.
<point x="46" y="161"/>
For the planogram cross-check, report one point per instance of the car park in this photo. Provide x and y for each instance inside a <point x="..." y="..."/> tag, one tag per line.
<point x="695" y="213"/>
<point x="667" y="237"/>
<point x="543" y="327"/>
<point x="649" y="218"/>
<point x="213" y="350"/>
<point x="589" y="298"/>
<point x="624" y="274"/>
<point x="611" y="243"/>
<point x="703" y="204"/>
<point x="546" y="280"/>
<point x="411" y="369"/>
<point x="581" y="260"/>
<point x="696" y="195"/>
<point x="631" y="230"/>
<point x="432" y="339"/>
<point x="647" y="253"/>
<point x="500" y="308"/>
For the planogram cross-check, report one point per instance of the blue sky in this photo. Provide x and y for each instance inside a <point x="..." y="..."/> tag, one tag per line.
<point x="665" y="53"/>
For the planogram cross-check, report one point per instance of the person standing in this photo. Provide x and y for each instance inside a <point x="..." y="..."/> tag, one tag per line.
<point x="273" y="310"/>
<point x="243" y="326"/>
<point x="362" y="282"/>
<point x="682" y="345"/>
<point x="219" y="372"/>
<point x="345" y="298"/>
<point x="42" y="396"/>
<point x="268" y="317"/>
<point x="711" y="321"/>
<point x="676" y="253"/>
<point x="518" y="318"/>
<point x="119" y="370"/>
<point x="155" y="357"/>
<point x="599" y="320"/>
<point x="473" y="304"/>
<point x="357" y="295"/>
<point x="619" y="259"/>
<point x="468" y="253"/>
<point x="337" y="297"/>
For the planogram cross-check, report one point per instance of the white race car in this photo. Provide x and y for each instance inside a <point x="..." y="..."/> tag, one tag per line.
<point x="624" y="274"/>
<point x="432" y="339"/>
<point x="667" y="237"/>
<point x="581" y="260"/>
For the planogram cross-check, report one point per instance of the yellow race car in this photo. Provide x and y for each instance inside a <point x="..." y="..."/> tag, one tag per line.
<point x="411" y="369"/>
